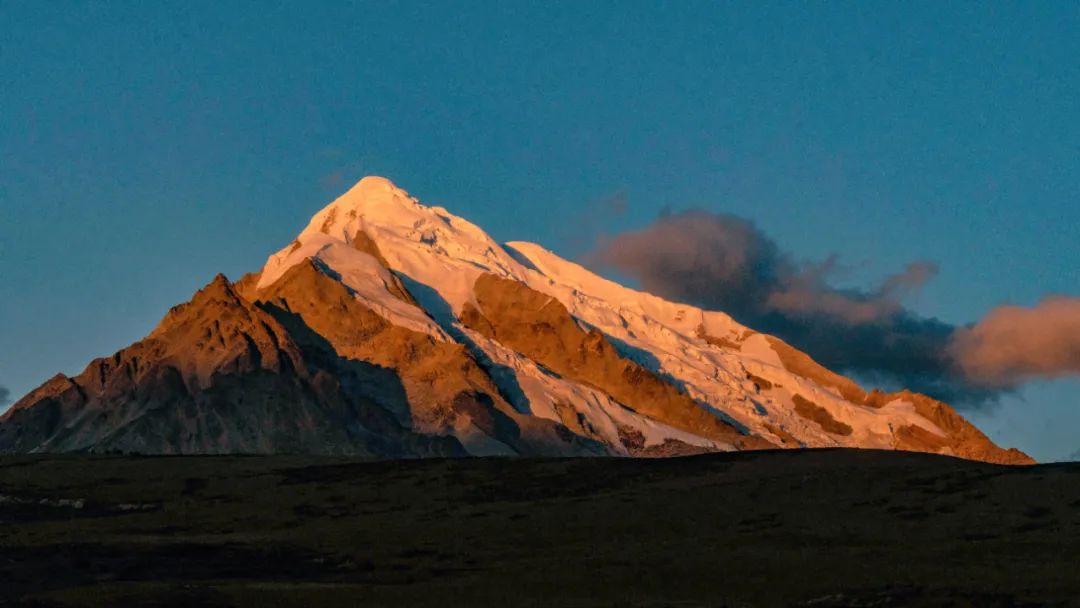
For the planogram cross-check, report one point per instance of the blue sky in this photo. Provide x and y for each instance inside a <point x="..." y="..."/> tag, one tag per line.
<point x="146" y="146"/>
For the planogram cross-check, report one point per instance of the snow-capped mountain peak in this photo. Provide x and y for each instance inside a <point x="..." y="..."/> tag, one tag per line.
<point x="512" y="349"/>
<point x="726" y="367"/>
<point x="425" y="245"/>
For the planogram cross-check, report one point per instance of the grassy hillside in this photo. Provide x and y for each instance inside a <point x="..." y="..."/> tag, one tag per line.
<point x="802" y="528"/>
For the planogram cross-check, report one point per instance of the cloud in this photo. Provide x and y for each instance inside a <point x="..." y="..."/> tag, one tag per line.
<point x="591" y="219"/>
<point x="332" y="179"/>
<point x="1014" y="344"/>
<point x="723" y="262"/>
<point x="808" y="293"/>
<point x="4" y="395"/>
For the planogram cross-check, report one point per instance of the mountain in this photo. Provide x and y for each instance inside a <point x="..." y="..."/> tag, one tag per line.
<point x="389" y="328"/>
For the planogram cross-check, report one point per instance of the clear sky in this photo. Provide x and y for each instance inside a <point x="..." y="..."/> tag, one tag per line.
<point x="146" y="146"/>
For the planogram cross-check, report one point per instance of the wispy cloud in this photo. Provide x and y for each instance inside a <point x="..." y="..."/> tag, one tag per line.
<point x="808" y="293"/>
<point x="332" y="179"/>
<point x="591" y="219"/>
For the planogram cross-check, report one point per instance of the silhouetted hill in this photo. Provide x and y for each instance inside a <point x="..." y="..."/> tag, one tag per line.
<point x="768" y="528"/>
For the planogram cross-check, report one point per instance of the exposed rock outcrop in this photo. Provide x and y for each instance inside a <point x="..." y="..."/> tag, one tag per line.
<point x="541" y="328"/>
<point x="443" y="390"/>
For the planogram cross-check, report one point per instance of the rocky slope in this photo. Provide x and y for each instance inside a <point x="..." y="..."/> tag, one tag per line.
<point x="218" y="375"/>
<point x="390" y="328"/>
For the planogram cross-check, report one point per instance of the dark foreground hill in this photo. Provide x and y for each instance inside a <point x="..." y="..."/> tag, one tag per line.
<point x="784" y="528"/>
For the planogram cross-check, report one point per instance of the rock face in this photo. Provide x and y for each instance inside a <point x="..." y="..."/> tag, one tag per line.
<point x="432" y="386"/>
<point x="218" y="375"/>
<point x="539" y="327"/>
<point x="388" y="328"/>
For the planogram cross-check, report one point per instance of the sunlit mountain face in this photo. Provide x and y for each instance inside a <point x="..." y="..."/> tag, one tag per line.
<point x="388" y="328"/>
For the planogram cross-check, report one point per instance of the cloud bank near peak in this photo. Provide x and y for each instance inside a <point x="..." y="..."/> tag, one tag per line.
<point x="723" y="262"/>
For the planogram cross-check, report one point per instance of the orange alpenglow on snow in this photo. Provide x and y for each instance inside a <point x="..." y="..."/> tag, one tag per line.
<point x="390" y="328"/>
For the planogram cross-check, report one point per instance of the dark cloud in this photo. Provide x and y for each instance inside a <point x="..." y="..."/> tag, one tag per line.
<point x="719" y="260"/>
<point x="1014" y="344"/>
<point x="4" y="395"/>
<point x="723" y="262"/>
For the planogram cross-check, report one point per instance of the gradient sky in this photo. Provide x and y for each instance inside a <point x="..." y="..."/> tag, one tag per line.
<point x="146" y="146"/>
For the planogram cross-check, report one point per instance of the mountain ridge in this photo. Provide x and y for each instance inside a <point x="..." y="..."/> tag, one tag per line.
<point x="418" y="334"/>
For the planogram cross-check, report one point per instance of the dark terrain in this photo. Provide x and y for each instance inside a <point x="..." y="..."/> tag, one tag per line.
<point x="787" y="528"/>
